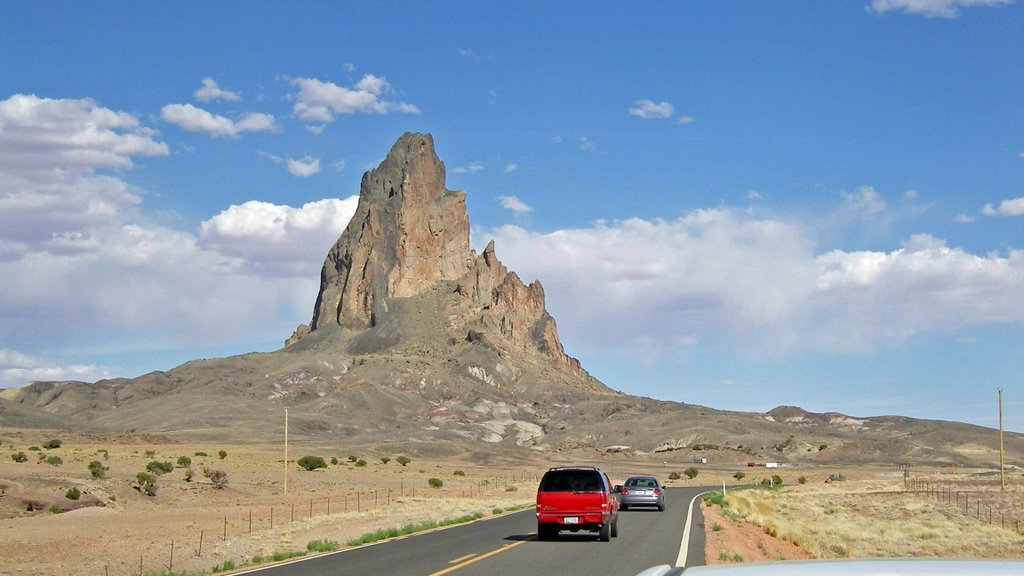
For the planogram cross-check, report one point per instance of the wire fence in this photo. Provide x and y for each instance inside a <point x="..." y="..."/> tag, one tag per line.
<point x="981" y="500"/>
<point x="181" y="552"/>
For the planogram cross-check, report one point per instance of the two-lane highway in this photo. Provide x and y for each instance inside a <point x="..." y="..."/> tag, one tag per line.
<point x="508" y="546"/>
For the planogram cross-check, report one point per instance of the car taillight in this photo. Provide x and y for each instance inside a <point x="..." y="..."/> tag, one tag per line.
<point x="657" y="491"/>
<point x="625" y="490"/>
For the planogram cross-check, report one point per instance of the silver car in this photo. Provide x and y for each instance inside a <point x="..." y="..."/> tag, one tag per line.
<point x="641" y="491"/>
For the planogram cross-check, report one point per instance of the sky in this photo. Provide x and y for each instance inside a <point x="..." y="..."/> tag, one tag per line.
<point x="738" y="204"/>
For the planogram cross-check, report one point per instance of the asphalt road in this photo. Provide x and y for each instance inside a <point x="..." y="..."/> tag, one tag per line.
<point x="508" y="546"/>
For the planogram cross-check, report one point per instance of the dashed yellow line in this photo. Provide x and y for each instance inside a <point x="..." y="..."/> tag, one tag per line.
<point x="473" y="558"/>
<point x="460" y="559"/>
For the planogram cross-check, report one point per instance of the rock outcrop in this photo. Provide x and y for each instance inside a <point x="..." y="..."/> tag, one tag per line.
<point x="408" y="233"/>
<point x="409" y="238"/>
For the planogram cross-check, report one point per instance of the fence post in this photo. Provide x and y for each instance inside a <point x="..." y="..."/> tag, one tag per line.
<point x="225" y="527"/>
<point x="199" y="554"/>
<point x="170" y="566"/>
<point x="271" y="517"/>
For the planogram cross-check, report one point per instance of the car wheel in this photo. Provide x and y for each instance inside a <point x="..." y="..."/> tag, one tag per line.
<point x="546" y="532"/>
<point x="615" y="528"/>
<point x="606" y="532"/>
<point x="624" y="507"/>
<point x="661" y="507"/>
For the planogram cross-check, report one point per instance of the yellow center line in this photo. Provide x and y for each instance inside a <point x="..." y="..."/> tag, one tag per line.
<point x="461" y="558"/>
<point x="504" y="548"/>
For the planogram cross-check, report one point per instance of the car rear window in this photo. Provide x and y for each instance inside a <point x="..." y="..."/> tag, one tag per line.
<point x="642" y="482"/>
<point x="571" y="481"/>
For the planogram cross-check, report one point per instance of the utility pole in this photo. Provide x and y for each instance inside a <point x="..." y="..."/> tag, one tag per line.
<point x="285" y="450"/>
<point x="1002" y="469"/>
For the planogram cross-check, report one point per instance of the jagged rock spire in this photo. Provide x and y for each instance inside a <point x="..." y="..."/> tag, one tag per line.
<point x="408" y="232"/>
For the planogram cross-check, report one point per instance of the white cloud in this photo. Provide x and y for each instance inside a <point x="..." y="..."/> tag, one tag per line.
<point x="210" y="91"/>
<point x="50" y="151"/>
<point x="686" y="120"/>
<point x="963" y="219"/>
<point x="17" y="369"/>
<point x="193" y="119"/>
<point x="279" y="240"/>
<point x="305" y="167"/>
<point x="471" y="168"/>
<point x="649" y="109"/>
<point x="514" y="204"/>
<point x="865" y="201"/>
<point x="931" y="8"/>
<point x="1014" y="207"/>
<point x="726" y="278"/>
<point x="319" y="101"/>
<point x="510" y="167"/>
<point x="586" y="145"/>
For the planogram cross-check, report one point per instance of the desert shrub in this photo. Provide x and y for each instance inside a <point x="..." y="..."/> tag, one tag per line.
<point x="189" y="474"/>
<point x="458" y="473"/>
<point x="511" y="489"/>
<point x="385" y="459"/>
<point x="228" y="565"/>
<point x="674" y="476"/>
<point x="716" y="527"/>
<point x="159" y="468"/>
<point x="222" y="454"/>
<point x="691" y="472"/>
<point x="839" y="550"/>
<point x="774" y="482"/>
<point x="739" y="475"/>
<point x="184" y="461"/>
<point x="360" y="463"/>
<point x="334" y="461"/>
<point x="106" y="455"/>
<point x="97" y="469"/>
<point x="219" y="478"/>
<point x="311" y="462"/>
<point x="56" y="509"/>
<point x="352" y="458"/>
<point x="51" y="444"/>
<point x="403" y="460"/>
<point x="822" y="447"/>
<point x="716" y="497"/>
<point x="200" y="454"/>
<point x="435" y="482"/>
<point x="802" y="480"/>
<point x="321" y="546"/>
<point x="54" y="461"/>
<point x="73" y="493"/>
<point x="33" y="448"/>
<point x="145" y="483"/>
<point x="150" y="453"/>
<point x="19" y="457"/>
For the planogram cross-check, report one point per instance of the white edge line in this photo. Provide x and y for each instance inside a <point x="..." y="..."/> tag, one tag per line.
<point x="685" y="544"/>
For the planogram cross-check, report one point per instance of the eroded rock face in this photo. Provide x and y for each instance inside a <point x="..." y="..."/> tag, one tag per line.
<point x="410" y="236"/>
<point x="408" y="233"/>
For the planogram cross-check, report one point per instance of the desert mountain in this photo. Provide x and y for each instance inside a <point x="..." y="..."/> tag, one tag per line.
<point x="417" y="342"/>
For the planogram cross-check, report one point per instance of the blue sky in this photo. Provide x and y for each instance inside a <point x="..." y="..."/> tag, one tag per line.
<point x="735" y="204"/>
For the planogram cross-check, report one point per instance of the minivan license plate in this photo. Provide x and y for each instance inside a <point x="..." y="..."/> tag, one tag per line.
<point x="572" y="520"/>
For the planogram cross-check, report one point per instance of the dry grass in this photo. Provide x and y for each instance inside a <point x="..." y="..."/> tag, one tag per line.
<point x="878" y="518"/>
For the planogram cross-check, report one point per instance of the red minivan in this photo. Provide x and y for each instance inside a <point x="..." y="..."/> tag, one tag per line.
<point x="576" y="498"/>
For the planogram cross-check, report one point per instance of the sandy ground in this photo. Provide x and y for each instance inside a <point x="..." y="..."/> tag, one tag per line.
<point x="730" y="541"/>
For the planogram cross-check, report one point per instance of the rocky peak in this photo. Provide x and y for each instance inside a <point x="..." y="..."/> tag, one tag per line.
<point x="408" y="233"/>
<point x="409" y="240"/>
